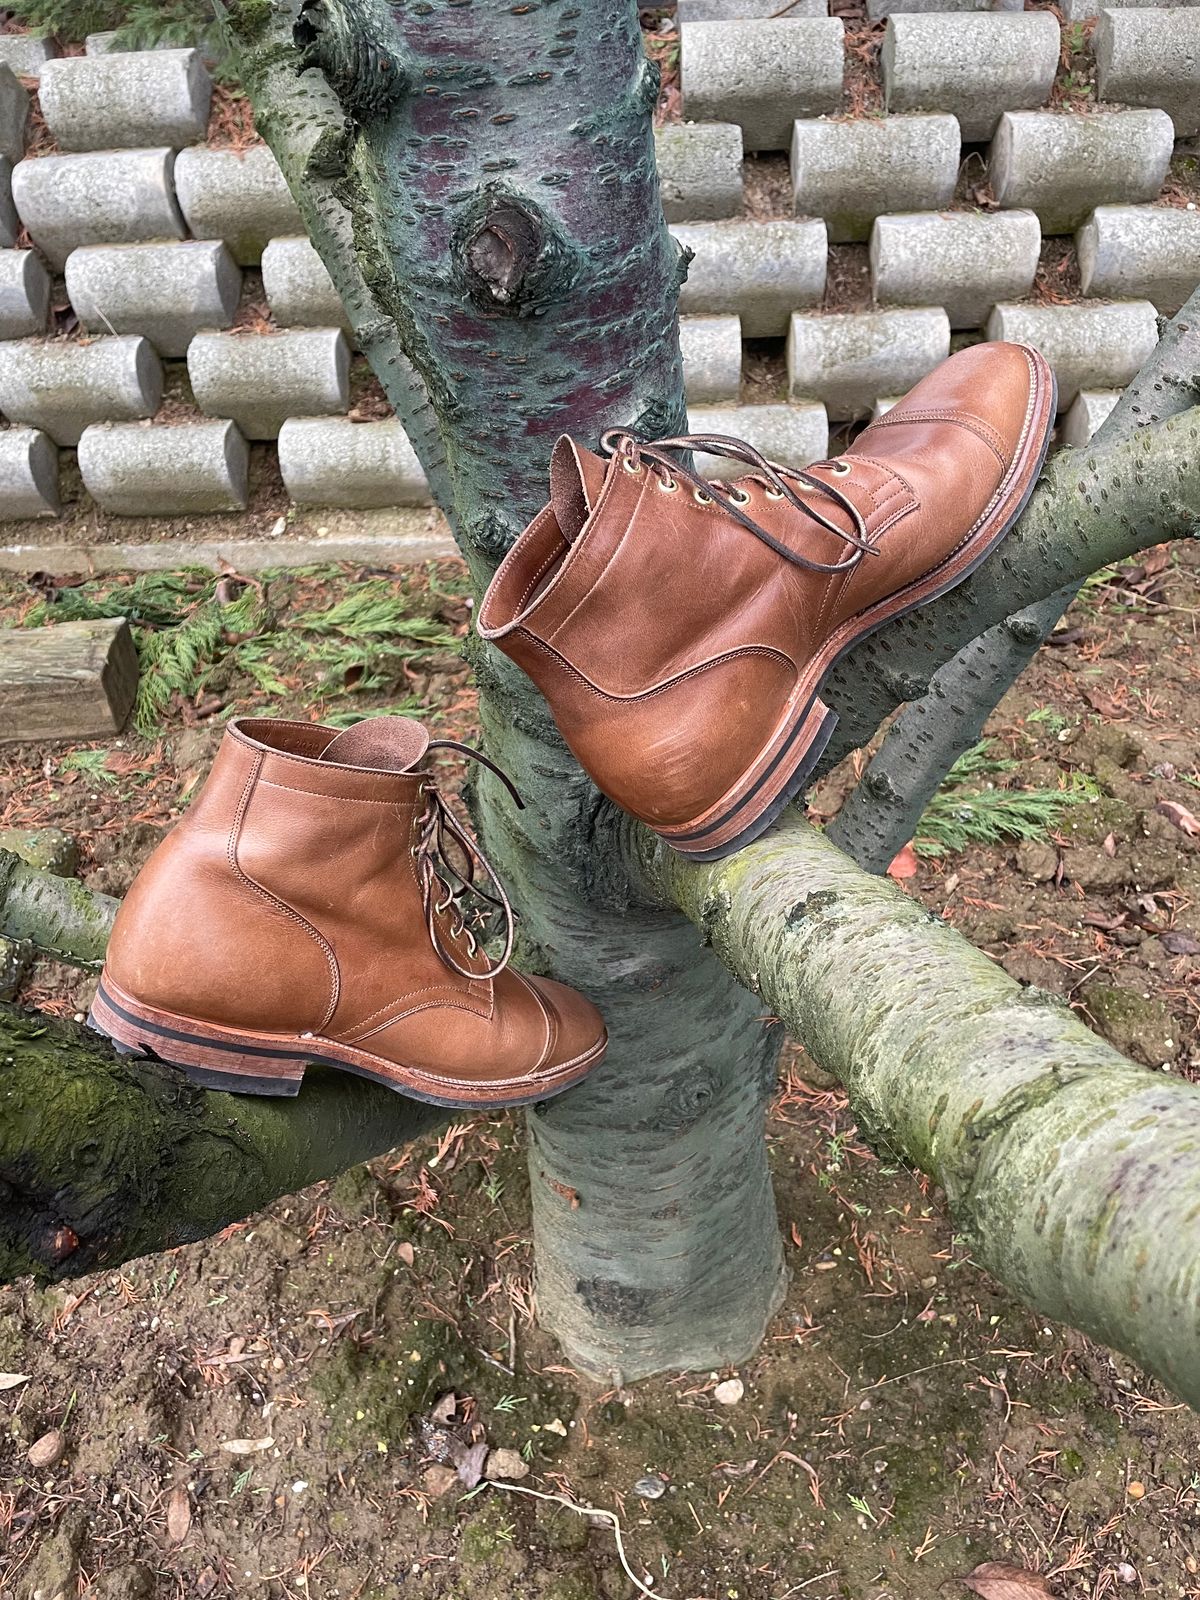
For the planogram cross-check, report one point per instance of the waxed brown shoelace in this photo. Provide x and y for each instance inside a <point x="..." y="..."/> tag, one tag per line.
<point x="633" y="452"/>
<point x="437" y="870"/>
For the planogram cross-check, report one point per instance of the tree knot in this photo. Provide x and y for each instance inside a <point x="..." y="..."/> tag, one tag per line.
<point x="512" y="255"/>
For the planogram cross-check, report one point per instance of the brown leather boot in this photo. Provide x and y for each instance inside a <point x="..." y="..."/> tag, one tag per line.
<point x="308" y="908"/>
<point x="681" y="630"/>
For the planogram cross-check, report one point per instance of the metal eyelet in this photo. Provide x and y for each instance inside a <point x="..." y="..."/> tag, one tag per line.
<point x="633" y="468"/>
<point x="667" y="486"/>
<point x="840" y="468"/>
<point x="701" y="499"/>
<point x="740" y="497"/>
<point x="774" y="494"/>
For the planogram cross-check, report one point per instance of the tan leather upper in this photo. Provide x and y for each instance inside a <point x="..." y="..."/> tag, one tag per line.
<point x="288" y="900"/>
<point x="666" y="636"/>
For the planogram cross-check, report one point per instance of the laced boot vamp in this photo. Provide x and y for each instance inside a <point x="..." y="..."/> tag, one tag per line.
<point x="681" y="630"/>
<point x="327" y="870"/>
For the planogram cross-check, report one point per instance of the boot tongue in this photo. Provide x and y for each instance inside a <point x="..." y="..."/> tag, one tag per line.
<point x="385" y="744"/>
<point x="576" y="477"/>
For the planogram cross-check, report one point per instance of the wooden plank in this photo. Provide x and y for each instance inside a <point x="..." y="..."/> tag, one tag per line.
<point x="72" y="680"/>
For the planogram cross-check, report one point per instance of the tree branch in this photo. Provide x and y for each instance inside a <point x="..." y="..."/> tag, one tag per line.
<point x="58" y="916"/>
<point x="1067" y="1167"/>
<point x="1090" y="509"/>
<point x="103" y="1159"/>
<point x="930" y="734"/>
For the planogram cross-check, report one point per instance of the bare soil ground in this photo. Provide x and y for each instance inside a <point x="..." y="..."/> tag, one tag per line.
<point x="251" y="1415"/>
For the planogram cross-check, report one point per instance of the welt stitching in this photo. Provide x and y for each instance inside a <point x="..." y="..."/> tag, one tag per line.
<point x="272" y="900"/>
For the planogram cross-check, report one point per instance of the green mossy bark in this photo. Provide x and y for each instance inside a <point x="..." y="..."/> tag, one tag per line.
<point x="104" y="1159"/>
<point x="1073" y="1174"/>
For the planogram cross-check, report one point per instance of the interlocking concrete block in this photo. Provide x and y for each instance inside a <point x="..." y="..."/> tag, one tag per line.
<point x="119" y="102"/>
<point x="792" y="435"/>
<point x="299" y="290"/>
<point x="25" y="54"/>
<point x="331" y="461"/>
<point x="744" y="10"/>
<point x="1061" y="165"/>
<point x="762" y="270"/>
<point x="1089" y="346"/>
<point x="138" y="470"/>
<point x="851" y="171"/>
<point x="965" y="261"/>
<point x="63" y="387"/>
<point x="848" y="360"/>
<point x="236" y="195"/>
<point x="260" y="380"/>
<point x="28" y="475"/>
<point x="712" y="358"/>
<point x="1151" y="57"/>
<point x="10" y="222"/>
<point x="888" y="8"/>
<point x="974" y="65"/>
<point x="1090" y="409"/>
<point x="24" y="294"/>
<point x="166" y="291"/>
<point x="884" y="404"/>
<point x="14" y="114"/>
<point x="699" y="170"/>
<point x="1144" y="252"/>
<point x="114" y="197"/>
<point x="762" y="75"/>
<point x="1081" y="10"/>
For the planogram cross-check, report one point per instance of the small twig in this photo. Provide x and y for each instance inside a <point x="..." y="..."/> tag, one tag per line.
<point x="586" y="1511"/>
<point x="808" y="1582"/>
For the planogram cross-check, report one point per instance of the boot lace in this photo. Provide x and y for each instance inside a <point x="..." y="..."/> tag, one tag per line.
<point x="447" y="886"/>
<point x="633" y="453"/>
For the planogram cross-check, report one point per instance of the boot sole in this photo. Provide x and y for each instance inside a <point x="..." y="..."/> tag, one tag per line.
<point x="785" y="764"/>
<point x="274" y="1064"/>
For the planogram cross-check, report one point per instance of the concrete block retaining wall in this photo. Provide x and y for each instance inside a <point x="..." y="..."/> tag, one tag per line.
<point x="1088" y="346"/>
<point x="136" y="469"/>
<point x="153" y="229"/>
<point x="762" y="75"/>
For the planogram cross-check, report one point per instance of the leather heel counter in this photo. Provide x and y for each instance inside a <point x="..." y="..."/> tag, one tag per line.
<point x="667" y="755"/>
<point x="192" y="937"/>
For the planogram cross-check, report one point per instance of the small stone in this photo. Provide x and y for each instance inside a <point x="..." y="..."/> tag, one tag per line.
<point x="1136" y="1490"/>
<point x="47" y="1451"/>
<point x="505" y="1465"/>
<point x="1037" y="860"/>
<point x="1126" y="1573"/>
<point x="650" y="1488"/>
<point x="439" y="1480"/>
<point x="558" y="1426"/>
<point x="729" y="1392"/>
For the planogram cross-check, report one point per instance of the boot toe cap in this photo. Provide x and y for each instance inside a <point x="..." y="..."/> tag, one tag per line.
<point x="576" y="1027"/>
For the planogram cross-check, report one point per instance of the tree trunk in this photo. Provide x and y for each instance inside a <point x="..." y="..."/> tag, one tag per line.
<point x="931" y="733"/>
<point x="481" y="183"/>
<point x="502" y="253"/>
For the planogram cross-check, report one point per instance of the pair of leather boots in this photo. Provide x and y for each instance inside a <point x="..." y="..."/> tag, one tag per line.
<point x="320" y="903"/>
